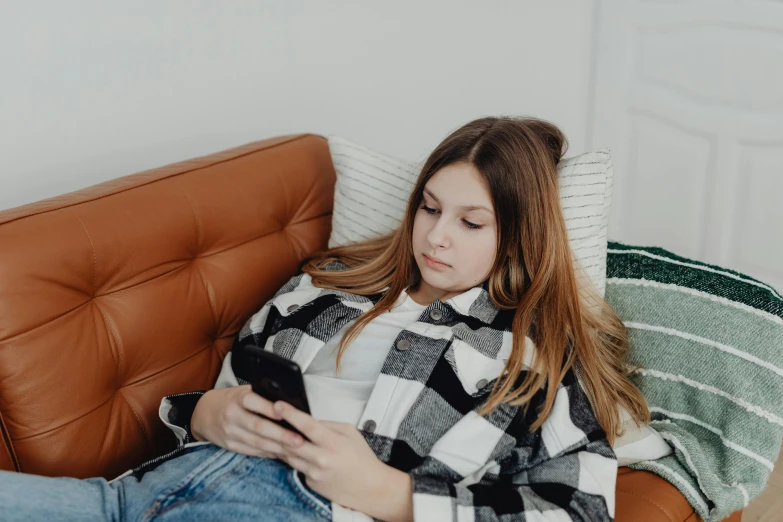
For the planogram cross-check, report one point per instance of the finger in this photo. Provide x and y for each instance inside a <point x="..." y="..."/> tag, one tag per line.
<point x="298" y="463"/>
<point x="253" y="402"/>
<point x="306" y="451"/>
<point x="305" y="423"/>
<point x="262" y="427"/>
<point x="261" y="444"/>
<point x="339" y="427"/>
<point x="240" y="447"/>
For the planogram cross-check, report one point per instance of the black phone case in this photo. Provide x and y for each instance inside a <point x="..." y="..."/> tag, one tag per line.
<point x="274" y="378"/>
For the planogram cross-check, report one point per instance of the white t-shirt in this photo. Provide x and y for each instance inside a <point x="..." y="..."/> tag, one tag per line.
<point x="343" y="398"/>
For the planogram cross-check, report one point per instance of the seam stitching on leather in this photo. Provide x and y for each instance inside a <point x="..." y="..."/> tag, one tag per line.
<point x="209" y="345"/>
<point x="9" y="445"/>
<point x="118" y="389"/>
<point x="94" y="256"/>
<point x="67" y="422"/>
<point x="195" y="215"/>
<point x="138" y="419"/>
<point x="111" y="328"/>
<point x="48" y="321"/>
<point x="210" y="296"/>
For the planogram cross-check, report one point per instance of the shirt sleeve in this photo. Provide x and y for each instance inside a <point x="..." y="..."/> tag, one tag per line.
<point x="176" y="411"/>
<point x="567" y="473"/>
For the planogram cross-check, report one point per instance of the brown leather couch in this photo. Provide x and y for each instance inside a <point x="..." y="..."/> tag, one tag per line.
<point x="116" y="295"/>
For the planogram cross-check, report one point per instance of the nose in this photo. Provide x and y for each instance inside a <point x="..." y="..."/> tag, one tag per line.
<point x="438" y="236"/>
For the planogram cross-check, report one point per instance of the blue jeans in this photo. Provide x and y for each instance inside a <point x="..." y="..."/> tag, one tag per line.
<point x="205" y="482"/>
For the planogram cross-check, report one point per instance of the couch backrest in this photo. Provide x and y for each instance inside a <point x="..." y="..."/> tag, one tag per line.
<point x="116" y="295"/>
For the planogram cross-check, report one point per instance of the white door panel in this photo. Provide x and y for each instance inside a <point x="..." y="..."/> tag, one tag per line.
<point x="689" y="97"/>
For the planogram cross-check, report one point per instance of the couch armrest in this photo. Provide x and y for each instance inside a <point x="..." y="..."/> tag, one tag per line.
<point x="646" y="497"/>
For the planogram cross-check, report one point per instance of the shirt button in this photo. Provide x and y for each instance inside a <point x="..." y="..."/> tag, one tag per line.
<point x="369" y="426"/>
<point x="403" y="344"/>
<point x="292" y="307"/>
<point x="481" y="383"/>
<point x="436" y="314"/>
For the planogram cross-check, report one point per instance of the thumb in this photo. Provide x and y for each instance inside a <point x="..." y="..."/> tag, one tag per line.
<point x="339" y="427"/>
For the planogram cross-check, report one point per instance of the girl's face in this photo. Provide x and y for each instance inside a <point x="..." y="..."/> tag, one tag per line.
<point x="455" y="223"/>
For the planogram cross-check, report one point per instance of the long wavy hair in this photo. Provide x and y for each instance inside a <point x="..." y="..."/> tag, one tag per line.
<point x="533" y="272"/>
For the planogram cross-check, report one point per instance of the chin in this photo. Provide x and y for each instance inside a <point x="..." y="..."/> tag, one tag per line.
<point x="435" y="285"/>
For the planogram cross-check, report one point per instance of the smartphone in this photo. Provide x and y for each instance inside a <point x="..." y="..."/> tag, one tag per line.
<point x="274" y="378"/>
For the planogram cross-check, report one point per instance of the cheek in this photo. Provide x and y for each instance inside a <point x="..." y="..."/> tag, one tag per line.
<point x="419" y="230"/>
<point x="484" y="249"/>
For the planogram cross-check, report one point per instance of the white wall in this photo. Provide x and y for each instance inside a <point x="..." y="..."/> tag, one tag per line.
<point x="93" y="90"/>
<point x="690" y="97"/>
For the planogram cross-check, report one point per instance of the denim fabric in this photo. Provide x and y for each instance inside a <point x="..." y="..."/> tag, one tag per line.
<point x="206" y="482"/>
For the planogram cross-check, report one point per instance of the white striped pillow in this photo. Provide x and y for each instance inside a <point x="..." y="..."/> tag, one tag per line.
<point x="372" y="192"/>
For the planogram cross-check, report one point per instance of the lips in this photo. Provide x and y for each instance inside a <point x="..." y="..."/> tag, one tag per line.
<point x="436" y="260"/>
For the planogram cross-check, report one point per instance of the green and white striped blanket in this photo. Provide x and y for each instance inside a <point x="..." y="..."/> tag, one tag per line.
<point x="710" y="345"/>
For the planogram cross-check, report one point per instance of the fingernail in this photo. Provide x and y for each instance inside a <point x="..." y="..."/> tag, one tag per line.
<point x="278" y="407"/>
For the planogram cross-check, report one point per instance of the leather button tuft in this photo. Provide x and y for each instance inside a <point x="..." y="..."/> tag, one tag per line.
<point x="436" y="314"/>
<point x="369" y="426"/>
<point x="292" y="307"/>
<point x="403" y="344"/>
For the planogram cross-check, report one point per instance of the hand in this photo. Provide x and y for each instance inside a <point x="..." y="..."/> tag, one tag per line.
<point x="337" y="462"/>
<point x="227" y="418"/>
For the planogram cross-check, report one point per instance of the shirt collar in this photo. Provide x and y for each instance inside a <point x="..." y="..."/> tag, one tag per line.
<point x="474" y="302"/>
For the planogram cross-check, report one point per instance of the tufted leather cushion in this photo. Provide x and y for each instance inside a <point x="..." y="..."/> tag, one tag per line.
<point x="118" y="294"/>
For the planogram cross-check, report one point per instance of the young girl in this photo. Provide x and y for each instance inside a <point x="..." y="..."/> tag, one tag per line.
<point x="454" y="368"/>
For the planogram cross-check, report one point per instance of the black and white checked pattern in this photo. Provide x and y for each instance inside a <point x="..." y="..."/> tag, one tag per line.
<point x="421" y="416"/>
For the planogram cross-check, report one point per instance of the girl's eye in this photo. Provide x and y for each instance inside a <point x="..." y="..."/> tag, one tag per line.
<point x="468" y="224"/>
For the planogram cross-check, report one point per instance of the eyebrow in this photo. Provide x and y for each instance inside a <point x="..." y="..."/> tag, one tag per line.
<point x="462" y="207"/>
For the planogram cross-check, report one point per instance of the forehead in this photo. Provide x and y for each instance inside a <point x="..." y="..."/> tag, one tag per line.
<point x="460" y="185"/>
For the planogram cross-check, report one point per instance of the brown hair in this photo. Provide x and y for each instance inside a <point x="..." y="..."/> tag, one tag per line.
<point x="533" y="271"/>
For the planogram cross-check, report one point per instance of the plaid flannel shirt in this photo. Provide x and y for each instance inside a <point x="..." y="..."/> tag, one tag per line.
<point x="421" y="415"/>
